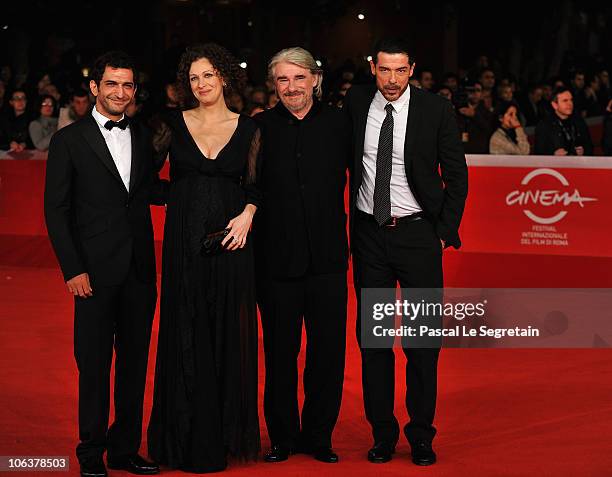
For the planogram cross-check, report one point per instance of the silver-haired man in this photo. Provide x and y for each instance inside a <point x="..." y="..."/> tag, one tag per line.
<point x="301" y="255"/>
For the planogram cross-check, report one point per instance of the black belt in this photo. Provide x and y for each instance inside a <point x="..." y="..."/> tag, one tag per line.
<point x="393" y="221"/>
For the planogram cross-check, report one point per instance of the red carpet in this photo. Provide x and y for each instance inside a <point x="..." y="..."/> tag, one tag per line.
<point x="500" y="412"/>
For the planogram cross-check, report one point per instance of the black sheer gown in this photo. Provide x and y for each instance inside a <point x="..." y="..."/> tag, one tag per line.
<point x="205" y="396"/>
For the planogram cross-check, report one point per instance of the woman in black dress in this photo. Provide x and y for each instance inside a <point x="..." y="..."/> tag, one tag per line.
<point x="205" y="396"/>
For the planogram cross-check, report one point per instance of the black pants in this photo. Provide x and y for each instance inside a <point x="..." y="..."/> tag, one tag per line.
<point x="121" y="315"/>
<point x="411" y="254"/>
<point x="320" y="300"/>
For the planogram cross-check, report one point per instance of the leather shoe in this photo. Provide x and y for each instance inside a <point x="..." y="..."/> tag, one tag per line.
<point x="278" y="453"/>
<point x="93" y="468"/>
<point x="325" y="454"/>
<point x="134" y="464"/>
<point x="381" y="452"/>
<point x="422" y="453"/>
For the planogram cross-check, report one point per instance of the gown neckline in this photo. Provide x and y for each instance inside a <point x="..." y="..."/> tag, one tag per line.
<point x="195" y="144"/>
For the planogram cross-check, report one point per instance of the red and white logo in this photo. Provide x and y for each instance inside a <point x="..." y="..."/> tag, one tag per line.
<point x="557" y="200"/>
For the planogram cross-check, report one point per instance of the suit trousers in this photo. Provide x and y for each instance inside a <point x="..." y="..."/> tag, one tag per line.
<point x="409" y="253"/>
<point x="320" y="302"/>
<point x="118" y="316"/>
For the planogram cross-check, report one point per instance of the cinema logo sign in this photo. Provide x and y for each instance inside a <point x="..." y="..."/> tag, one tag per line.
<point x="546" y="198"/>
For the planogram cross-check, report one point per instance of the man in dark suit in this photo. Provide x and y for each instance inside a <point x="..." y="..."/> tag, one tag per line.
<point x="563" y="133"/>
<point x="100" y="181"/>
<point x="301" y="256"/>
<point x="408" y="189"/>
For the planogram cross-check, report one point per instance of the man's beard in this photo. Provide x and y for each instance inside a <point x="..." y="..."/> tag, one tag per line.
<point x="297" y="106"/>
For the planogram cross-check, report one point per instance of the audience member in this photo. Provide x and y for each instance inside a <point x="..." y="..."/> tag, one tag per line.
<point x="42" y="128"/>
<point x="451" y="81"/>
<point x="445" y="92"/>
<point x="172" y="97"/>
<point x="509" y="137"/>
<point x="78" y="108"/>
<point x="487" y="80"/>
<point x="337" y="98"/>
<point x="414" y="82"/>
<point x="532" y="105"/>
<point x="591" y="97"/>
<point x="474" y="120"/>
<point x="235" y="102"/>
<point x="14" y="135"/>
<point x="505" y="93"/>
<point x="272" y="100"/>
<point x="577" y="84"/>
<point x="259" y="95"/>
<point x="426" y="79"/>
<point x="51" y="90"/>
<point x="563" y="133"/>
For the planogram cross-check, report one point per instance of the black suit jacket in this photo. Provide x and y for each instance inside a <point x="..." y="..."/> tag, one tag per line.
<point x="549" y="136"/>
<point x="94" y="224"/>
<point x="301" y="224"/>
<point x="435" y="163"/>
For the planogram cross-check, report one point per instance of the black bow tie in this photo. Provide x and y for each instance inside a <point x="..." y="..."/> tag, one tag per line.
<point x="110" y="124"/>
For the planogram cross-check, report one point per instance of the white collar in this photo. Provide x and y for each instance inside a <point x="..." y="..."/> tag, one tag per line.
<point x="398" y="104"/>
<point x="100" y="118"/>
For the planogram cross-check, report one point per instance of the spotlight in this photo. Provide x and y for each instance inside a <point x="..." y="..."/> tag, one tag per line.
<point x="243" y="65"/>
<point x="5" y="27"/>
<point x="369" y="58"/>
<point x="361" y="16"/>
<point x="319" y="64"/>
<point x="85" y="72"/>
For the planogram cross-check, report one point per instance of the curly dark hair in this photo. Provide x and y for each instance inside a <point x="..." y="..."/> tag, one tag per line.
<point x="114" y="59"/>
<point x="223" y="62"/>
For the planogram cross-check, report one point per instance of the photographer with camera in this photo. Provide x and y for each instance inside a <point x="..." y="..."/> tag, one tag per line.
<point x="476" y="123"/>
<point x="563" y="133"/>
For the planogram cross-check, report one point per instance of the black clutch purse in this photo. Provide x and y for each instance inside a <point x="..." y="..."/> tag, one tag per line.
<point x="211" y="245"/>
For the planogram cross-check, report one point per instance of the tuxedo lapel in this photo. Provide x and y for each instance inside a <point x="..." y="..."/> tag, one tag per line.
<point x="136" y="162"/>
<point x="93" y="136"/>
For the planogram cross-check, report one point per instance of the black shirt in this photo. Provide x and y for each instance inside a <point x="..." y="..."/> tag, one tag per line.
<point x="15" y="128"/>
<point x="301" y="225"/>
<point x="553" y="133"/>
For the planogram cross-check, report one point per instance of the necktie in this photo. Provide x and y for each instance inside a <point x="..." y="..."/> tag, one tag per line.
<point x="382" y="184"/>
<point x="116" y="124"/>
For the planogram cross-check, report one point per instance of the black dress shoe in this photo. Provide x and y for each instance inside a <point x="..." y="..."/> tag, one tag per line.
<point x="93" y="468"/>
<point x="278" y="453"/>
<point x="381" y="452"/>
<point x="422" y="453"/>
<point x="134" y="464"/>
<point x="325" y="454"/>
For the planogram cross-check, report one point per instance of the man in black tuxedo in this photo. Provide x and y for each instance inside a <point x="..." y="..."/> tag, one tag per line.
<point x="408" y="190"/>
<point x="301" y="254"/>
<point x="100" y="181"/>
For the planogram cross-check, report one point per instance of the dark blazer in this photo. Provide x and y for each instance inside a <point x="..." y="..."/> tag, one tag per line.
<point x="94" y="224"/>
<point x="301" y="224"/>
<point x="435" y="163"/>
<point x="549" y="136"/>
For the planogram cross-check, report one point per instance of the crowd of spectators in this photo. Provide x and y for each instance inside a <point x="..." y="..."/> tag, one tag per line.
<point x="493" y="109"/>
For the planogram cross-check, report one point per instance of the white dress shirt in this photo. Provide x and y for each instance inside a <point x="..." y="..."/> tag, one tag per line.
<point x="119" y="142"/>
<point x="402" y="200"/>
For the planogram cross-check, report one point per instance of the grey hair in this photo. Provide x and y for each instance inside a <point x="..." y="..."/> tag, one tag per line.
<point x="302" y="58"/>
